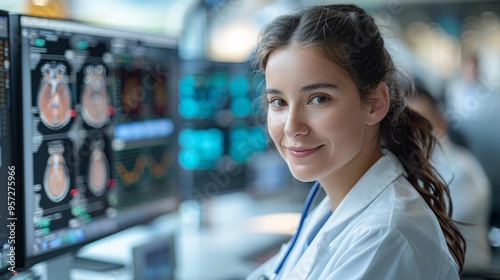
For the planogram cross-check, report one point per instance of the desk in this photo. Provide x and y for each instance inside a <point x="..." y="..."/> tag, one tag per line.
<point x="217" y="249"/>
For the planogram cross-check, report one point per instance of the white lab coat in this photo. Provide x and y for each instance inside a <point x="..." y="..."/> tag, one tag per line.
<point x="382" y="229"/>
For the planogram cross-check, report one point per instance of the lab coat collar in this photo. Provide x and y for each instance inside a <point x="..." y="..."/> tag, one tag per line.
<point x="368" y="187"/>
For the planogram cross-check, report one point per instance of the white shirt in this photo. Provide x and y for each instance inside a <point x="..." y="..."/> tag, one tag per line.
<point x="471" y="192"/>
<point x="382" y="229"/>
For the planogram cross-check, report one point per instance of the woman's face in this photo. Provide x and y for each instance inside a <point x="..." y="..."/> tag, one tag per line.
<point x="315" y="116"/>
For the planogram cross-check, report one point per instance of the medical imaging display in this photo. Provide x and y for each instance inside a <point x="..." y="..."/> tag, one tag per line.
<point x="219" y="130"/>
<point x="99" y="136"/>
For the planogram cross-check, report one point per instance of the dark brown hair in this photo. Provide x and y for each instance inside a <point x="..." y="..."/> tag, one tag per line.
<point x="349" y="37"/>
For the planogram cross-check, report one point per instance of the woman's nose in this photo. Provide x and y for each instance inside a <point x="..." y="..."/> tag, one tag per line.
<point x="296" y="123"/>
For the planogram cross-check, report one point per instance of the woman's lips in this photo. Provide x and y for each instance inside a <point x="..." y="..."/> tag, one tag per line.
<point x="302" y="152"/>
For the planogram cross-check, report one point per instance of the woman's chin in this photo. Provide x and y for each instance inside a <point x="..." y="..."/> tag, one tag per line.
<point x="303" y="176"/>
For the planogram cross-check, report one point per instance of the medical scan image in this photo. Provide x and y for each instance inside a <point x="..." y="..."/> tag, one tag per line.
<point x="54" y="99"/>
<point x="56" y="177"/>
<point x="159" y="87"/>
<point x="95" y="100"/>
<point x="132" y="95"/>
<point x="98" y="171"/>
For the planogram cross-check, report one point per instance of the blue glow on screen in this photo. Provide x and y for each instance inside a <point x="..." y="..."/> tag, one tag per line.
<point x="246" y="141"/>
<point x="142" y="130"/>
<point x="200" y="148"/>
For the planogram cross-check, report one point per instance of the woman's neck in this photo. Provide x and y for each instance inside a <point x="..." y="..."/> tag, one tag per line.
<point x="339" y="183"/>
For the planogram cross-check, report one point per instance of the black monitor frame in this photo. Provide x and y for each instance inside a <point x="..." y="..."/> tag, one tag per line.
<point x="20" y="28"/>
<point x="8" y="162"/>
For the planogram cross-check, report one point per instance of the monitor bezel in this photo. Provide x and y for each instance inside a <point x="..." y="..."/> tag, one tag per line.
<point x="13" y="161"/>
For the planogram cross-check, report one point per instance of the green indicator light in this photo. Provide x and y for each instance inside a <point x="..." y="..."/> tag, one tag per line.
<point x="82" y="45"/>
<point x="44" y="223"/>
<point x="77" y="211"/>
<point x="87" y="218"/>
<point x="112" y="200"/>
<point x="39" y="42"/>
<point x="124" y="58"/>
<point x="70" y="236"/>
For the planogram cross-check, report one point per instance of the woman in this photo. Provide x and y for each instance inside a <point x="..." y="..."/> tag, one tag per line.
<point x="337" y="115"/>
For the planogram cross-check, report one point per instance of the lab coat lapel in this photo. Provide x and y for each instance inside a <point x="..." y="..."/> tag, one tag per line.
<point x="370" y="185"/>
<point x="306" y="261"/>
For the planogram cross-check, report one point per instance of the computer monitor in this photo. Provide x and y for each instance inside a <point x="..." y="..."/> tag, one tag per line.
<point x="220" y="131"/>
<point x="8" y="203"/>
<point x="98" y="131"/>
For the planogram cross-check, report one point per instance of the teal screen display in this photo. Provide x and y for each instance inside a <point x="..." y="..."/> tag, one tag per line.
<point x="219" y="131"/>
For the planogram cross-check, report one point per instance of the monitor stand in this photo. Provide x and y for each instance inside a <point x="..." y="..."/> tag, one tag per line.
<point x="95" y="265"/>
<point x="59" y="268"/>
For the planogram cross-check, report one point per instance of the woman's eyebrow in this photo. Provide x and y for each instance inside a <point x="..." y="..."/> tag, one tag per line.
<point x="273" y="91"/>
<point x="318" y="86"/>
<point x="306" y="88"/>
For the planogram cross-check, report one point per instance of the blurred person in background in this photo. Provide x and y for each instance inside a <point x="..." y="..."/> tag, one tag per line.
<point x="466" y="87"/>
<point x="469" y="185"/>
<point x="337" y="114"/>
<point x="472" y="110"/>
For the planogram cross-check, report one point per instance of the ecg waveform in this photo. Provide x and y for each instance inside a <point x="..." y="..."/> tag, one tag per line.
<point x="157" y="168"/>
<point x="132" y="176"/>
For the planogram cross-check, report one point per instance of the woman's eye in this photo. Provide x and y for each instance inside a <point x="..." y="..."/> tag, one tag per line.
<point x="320" y="99"/>
<point x="277" y="103"/>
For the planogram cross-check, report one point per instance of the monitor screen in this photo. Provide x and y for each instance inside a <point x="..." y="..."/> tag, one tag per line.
<point x="99" y="134"/>
<point x="219" y="130"/>
<point x="8" y="220"/>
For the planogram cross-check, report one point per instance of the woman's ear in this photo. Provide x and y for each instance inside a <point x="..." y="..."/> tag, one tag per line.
<point x="379" y="103"/>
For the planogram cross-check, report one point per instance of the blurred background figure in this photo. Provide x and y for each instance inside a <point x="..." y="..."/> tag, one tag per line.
<point x="465" y="85"/>
<point x="469" y="185"/>
<point x="472" y="107"/>
<point x="466" y="90"/>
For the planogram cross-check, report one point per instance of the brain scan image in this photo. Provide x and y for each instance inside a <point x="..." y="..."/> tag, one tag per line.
<point x="98" y="170"/>
<point x="54" y="99"/>
<point x="132" y="95"/>
<point x="56" y="177"/>
<point x="95" y="100"/>
<point x="160" y="97"/>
